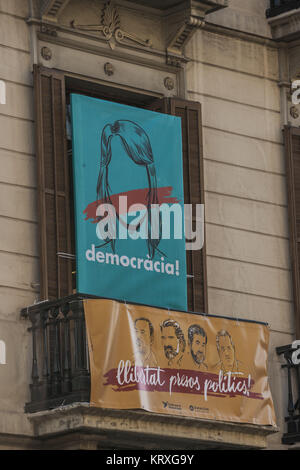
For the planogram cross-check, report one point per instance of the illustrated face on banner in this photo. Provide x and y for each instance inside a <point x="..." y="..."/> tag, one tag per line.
<point x="143" y="336"/>
<point x="226" y="351"/>
<point x="128" y="179"/>
<point x="178" y="363"/>
<point x="197" y="340"/>
<point x="172" y="340"/>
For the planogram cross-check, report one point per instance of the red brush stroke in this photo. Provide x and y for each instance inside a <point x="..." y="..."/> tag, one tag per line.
<point x="135" y="196"/>
<point x="111" y="380"/>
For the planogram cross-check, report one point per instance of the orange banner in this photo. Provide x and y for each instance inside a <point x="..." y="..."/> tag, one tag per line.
<point x="178" y="363"/>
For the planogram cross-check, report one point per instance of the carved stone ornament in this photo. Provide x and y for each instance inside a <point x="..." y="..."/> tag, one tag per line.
<point x="109" y="69"/>
<point x="185" y="31"/>
<point x="169" y="83"/>
<point x="51" y="9"/>
<point x="294" y="112"/>
<point x="174" y="61"/>
<point x="186" y="22"/>
<point x="110" y="28"/>
<point x="46" y="53"/>
<point x="49" y="29"/>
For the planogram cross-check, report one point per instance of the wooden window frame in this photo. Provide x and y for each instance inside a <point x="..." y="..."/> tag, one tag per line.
<point x="47" y="84"/>
<point x="50" y="286"/>
<point x="291" y="135"/>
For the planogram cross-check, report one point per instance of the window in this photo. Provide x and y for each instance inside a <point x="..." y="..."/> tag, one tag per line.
<point x="55" y="199"/>
<point x="292" y="143"/>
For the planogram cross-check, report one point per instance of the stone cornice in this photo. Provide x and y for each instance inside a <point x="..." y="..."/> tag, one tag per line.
<point x="186" y="22"/>
<point x="51" y="9"/>
<point x="181" y="19"/>
<point x="286" y="27"/>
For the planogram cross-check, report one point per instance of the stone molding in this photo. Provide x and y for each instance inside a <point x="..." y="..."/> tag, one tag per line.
<point x="286" y="27"/>
<point x="51" y="9"/>
<point x="110" y="27"/>
<point x="158" y="429"/>
<point x="181" y="21"/>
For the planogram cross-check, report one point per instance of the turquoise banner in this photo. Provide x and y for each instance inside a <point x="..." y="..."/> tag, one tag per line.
<point x="129" y="203"/>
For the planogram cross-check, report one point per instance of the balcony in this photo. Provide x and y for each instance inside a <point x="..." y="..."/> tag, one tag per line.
<point x="277" y="7"/>
<point x="284" y="19"/>
<point x="60" y="369"/>
<point x="292" y="434"/>
<point x="60" y="409"/>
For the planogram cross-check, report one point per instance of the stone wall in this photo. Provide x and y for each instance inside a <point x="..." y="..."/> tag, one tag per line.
<point x="235" y="77"/>
<point x="18" y="242"/>
<point x="233" y="71"/>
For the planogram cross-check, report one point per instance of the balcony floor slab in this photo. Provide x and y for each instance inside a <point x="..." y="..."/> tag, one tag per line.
<point x="132" y="429"/>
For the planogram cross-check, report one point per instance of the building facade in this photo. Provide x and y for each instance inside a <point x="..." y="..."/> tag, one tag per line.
<point x="238" y="59"/>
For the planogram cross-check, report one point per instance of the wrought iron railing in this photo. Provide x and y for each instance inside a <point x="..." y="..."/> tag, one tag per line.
<point x="281" y="6"/>
<point x="60" y="362"/>
<point x="292" y="434"/>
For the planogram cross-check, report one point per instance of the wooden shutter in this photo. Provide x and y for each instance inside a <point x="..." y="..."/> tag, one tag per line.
<point x="190" y="114"/>
<point x="53" y="184"/>
<point x="292" y="143"/>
